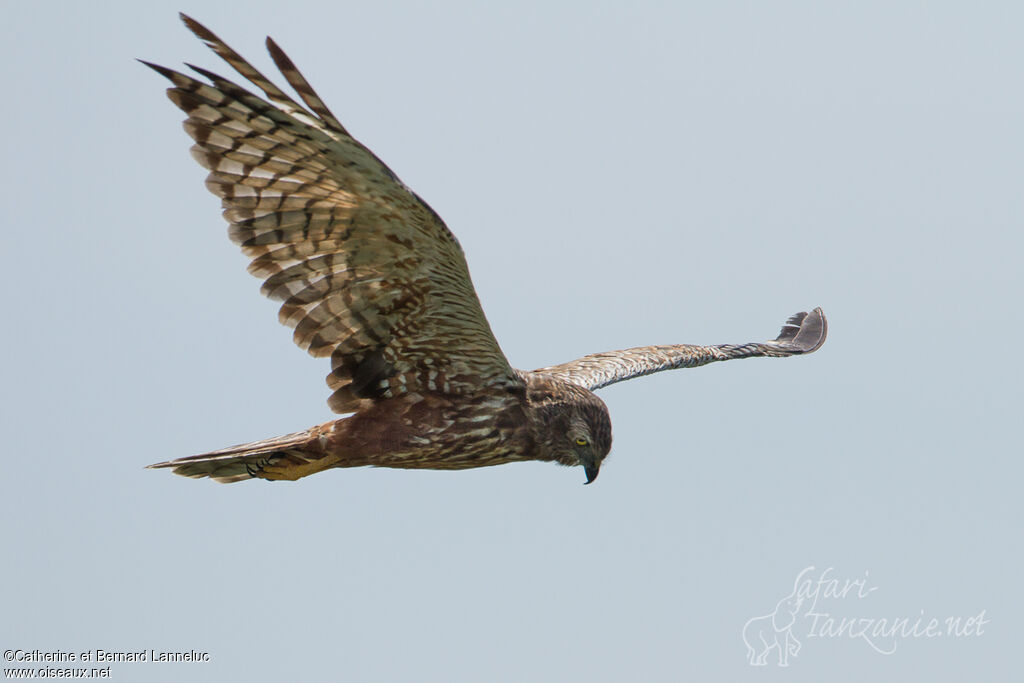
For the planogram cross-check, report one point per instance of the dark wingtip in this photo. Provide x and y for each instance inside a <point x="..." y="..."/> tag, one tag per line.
<point x="283" y="61"/>
<point x="192" y="24"/>
<point x="162" y="70"/>
<point x="804" y="332"/>
<point x="204" y="34"/>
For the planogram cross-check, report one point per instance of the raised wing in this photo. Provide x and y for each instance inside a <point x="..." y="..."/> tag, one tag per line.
<point x="368" y="274"/>
<point x="802" y="333"/>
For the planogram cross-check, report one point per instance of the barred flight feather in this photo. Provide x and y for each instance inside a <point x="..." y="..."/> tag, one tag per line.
<point x="360" y="263"/>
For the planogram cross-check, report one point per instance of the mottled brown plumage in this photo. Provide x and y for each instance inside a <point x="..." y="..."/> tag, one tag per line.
<point x="370" y="276"/>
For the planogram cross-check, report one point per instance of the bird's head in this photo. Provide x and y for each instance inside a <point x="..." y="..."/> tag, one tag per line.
<point x="590" y="435"/>
<point x="573" y="424"/>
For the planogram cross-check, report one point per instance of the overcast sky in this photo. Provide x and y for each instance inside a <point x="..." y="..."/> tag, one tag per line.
<point x="671" y="172"/>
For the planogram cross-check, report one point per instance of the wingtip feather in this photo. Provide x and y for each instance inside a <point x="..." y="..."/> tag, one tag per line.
<point x="804" y="332"/>
<point x="198" y="29"/>
<point x="162" y="70"/>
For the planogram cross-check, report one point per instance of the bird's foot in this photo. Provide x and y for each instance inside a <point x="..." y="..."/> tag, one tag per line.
<point x="283" y="468"/>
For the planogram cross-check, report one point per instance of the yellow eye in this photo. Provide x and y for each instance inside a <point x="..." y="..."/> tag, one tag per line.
<point x="581" y="441"/>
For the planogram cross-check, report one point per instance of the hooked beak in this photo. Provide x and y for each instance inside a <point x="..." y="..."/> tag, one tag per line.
<point x="591" y="471"/>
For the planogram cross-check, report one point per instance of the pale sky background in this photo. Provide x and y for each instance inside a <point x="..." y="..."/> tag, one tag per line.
<point x="671" y="172"/>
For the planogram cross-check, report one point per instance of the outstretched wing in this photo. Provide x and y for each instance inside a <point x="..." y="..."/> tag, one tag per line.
<point x="802" y="333"/>
<point x="368" y="274"/>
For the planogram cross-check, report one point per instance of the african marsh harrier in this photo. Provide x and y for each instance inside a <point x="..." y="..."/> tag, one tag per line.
<point x="369" y="276"/>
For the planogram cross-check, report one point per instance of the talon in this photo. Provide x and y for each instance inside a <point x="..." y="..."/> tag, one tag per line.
<point x="277" y="473"/>
<point x="268" y="469"/>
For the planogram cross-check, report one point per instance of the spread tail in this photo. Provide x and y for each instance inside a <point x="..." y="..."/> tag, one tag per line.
<point x="250" y="460"/>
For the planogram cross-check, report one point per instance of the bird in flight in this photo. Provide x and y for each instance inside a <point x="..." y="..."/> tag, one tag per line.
<point x="370" y="277"/>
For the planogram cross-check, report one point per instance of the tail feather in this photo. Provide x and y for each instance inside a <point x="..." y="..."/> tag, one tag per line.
<point x="237" y="463"/>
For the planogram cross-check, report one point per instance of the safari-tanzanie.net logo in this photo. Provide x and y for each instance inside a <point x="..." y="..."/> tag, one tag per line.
<point x="822" y="605"/>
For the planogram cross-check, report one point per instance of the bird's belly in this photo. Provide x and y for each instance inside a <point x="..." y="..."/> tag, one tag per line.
<point x="448" y="461"/>
<point x="442" y="439"/>
<point x="450" y="451"/>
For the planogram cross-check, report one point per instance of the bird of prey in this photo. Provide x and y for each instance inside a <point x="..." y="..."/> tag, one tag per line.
<point x="370" y="277"/>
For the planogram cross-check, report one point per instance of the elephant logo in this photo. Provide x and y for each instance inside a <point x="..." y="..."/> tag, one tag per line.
<point x="774" y="631"/>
